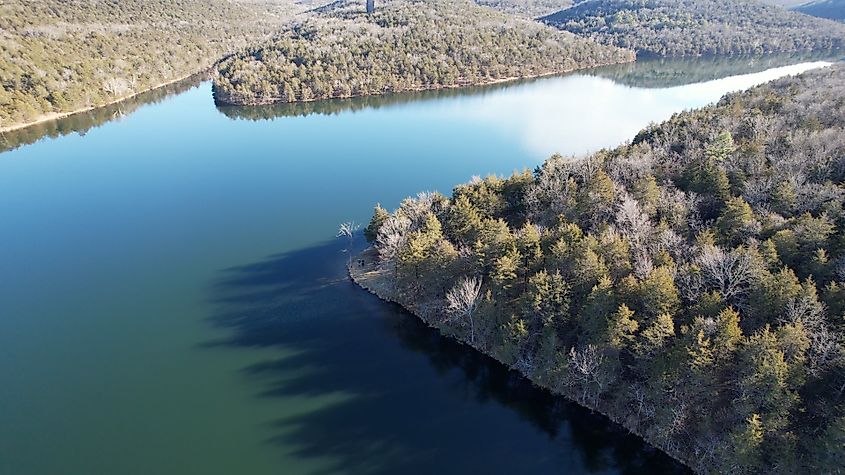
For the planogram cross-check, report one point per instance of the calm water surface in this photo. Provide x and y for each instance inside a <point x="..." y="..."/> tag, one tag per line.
<point x="171" y="300"/>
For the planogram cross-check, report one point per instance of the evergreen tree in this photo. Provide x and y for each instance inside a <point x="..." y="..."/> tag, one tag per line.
<point x="721" y="148"/>
<point x="658" y="294"/>
<point x="655" y="337"/>
<point x="728" y="334"/>
<point x="621" y="327"/>
<point x="464" y="220"/>
<point x="736" y="221"/>
<point x="380" y="215"/>
<point x="747" y="457"/>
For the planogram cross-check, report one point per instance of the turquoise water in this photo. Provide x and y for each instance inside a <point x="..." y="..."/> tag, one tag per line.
<point x="172" y="299"/>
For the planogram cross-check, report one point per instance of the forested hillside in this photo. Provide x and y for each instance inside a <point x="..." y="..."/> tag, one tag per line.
<point x="699" y="27"/>
<point x="833" y="9"/>
<point x="527" y="8"/>
<point x="341" y="51"/>
<point x="691" y="284"/>
<point x="61" y="56"/>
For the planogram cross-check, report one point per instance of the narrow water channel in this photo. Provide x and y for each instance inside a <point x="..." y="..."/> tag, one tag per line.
<point x="172" y="299"/>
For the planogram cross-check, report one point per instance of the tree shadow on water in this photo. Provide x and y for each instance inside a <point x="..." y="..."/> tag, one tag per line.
<point x="402" y="398"/>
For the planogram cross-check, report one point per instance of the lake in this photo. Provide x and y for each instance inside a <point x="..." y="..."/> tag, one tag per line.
<point x="173" y="300"/>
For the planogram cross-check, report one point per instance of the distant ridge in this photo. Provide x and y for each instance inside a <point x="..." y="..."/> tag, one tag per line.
<point x="833" y="9"/>
<point x="699" y="27"/>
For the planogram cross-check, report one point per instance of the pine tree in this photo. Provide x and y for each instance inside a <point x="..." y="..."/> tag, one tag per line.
<point x="647" y="193"/>
<point x="548" y="297"/>
<point x="747" y="442"/>
<point x="621" y="327"/>
<point x="728" y="334"/>
<point x="656" y="336"/>
<point x="530" y="248"/>
<point x="721" y="148"/>
<point x="700" y="352"/>
<point x="764" y="386"/>
<point x="380" y="215"/>
<point x="658" y="294"/>
<point x="463" y="221"/>
<point x="600" y="303"/>
<point x="735" y="222"/>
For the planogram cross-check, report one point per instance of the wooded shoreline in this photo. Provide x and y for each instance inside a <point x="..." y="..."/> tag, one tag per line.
<point x="61" y="115"/>
<point x="364" y="272"/>
<point x="222" y="99"/>
<point x="218" y="101"/>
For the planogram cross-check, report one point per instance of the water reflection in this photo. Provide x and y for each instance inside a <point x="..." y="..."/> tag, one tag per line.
<point x="337" y="106"/>
<point x="413" y="401"/>
<point x="644" y="73"/>
<point x="673" y="72"/>
<point x="82" y="122"/>
<point x="579" y="114"/>
<point x="573" y="114"/>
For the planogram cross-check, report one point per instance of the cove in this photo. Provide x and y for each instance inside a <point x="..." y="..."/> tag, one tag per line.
<point x="172" y="300"/>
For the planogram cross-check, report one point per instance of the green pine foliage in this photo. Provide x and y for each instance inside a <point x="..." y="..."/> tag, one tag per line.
<point x="709" y="319"/>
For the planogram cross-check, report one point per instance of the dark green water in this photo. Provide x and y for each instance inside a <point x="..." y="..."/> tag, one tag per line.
<point x="172" y="300"/>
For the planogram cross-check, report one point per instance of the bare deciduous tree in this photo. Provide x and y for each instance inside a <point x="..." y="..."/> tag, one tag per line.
<point x="116" y="86"/>
<point x="391" y="237"/>
<point x="415" y="209"/>
<point x="633" y="223"/>
<point x="348" y="230"/>
<point x="728" y="272"/>
<point x="586" y="365"/>
<point x="462" y="301"/>
<point x="825" y="345"/>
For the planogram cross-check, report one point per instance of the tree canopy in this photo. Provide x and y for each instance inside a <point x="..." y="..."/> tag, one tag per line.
<point x="690" y="284"/>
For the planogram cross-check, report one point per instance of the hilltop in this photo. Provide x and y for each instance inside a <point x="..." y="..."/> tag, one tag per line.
<point x="698" y="27"/>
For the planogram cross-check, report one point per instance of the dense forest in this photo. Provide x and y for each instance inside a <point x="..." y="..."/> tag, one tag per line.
<point x="690" y="284"/>
<point x="341" y="51"/>
<point x="699" y="27"/>
<point x="527" y="8"/>
<point x="62" y="56"/>
<point x="833" y="9"/>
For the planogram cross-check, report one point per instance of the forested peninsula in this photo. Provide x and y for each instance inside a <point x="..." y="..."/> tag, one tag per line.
<point x="58" y="57"/>
<point x="690" y="285"/>
<point x="699" y="27"/>
<point x="405" y="45"/>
